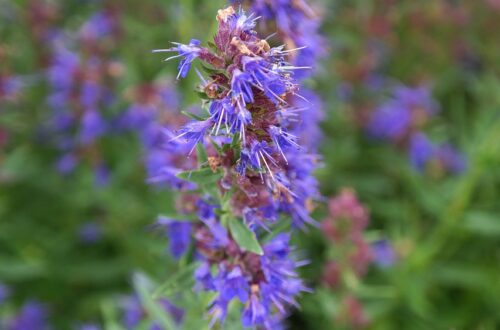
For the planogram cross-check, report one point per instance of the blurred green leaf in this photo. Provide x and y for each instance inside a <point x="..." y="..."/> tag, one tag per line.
<point x="245" y="238"/>
<point x="201" y="176"/>
<point x="178" y="282"/>
<point x="143" y="285"/>
<point x="482" y="223"/>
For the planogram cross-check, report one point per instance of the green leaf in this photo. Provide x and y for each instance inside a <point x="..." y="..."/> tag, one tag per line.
<point x="192" y="116"/>
<point x="110" y="315"/>
<point x="181" y="217"/>
<point x="282" y="226"/>
<point x="216" y="146"/>
<point x="482" y="223"/>
<point x="212" y="46"/>
<point x="180" y="281"/>
<point x="211" y="70"/>
<point x="202" y="95"/>
<point x="201" y="153"/>
<point x="245" y="238"/>
<point x="201" y="176"/>
<point x="142" y="286"/>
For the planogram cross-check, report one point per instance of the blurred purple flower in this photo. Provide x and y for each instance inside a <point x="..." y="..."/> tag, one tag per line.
<point x="383" y="253"/>
<point x="32" y="315"/>
<point x="188" y="53"/>
<point x="451" y="159"/>
<point x="407" y="109"/>
<point x="101" y="175"/>
<point x="67" y="163"/>
<point x="89" y="327"/>
<point x="390" y="121"/>
<point x="421" y="151"/>
<point x="132" y="312"/>
<point x="10" y="87"/>
<point x="93" y="126"/>
<point x="178" y="233"/>
<point x="100" y="25"/>
<point x="90" y="232"/>
<point x="4" y="293"/>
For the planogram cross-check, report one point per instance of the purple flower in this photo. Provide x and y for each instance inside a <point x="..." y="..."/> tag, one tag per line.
<point x="90" y="232"/>
<point x="204" y="277"/>
<point x="90" y="94"/>
<point x="266" y="76"/>
<point x="138" y="116"/>
<point x="4" y="293"/>
<point x="132" y="312"/>
<point x="451" y="159"/>
<point x="255" y="313"/>
<point x="241" y="86"/>
<point x="93" y="126"/>
<point x="282" y="139"/>
<point x="89" y="327"/>
<point x="267" y="284"/>
<point x="32" y="315"/>
<point x="10" y="87"/>
<point x="67" y="163"/>
<point x="383" y="253"/>
<point x="218" y="311"/>
<point x="61" y="73"/>
<point x="390" y="121"/>
<point x="307" y="128"/>
<point x="100" y="25"/>
<point x="179" y="234"/>
<point x="261" y="156"/>
<point x="416" y="98"/>
<point x="232" y="284"/>
<point x="222" y="112"/>
<point x="101" y="175"/>
<point x="188" y="52"/>
<point x="408" y="108"/>
<point x="421" y="151"/>
<point x="176" y="312"/>
<point x="194" y="131"/>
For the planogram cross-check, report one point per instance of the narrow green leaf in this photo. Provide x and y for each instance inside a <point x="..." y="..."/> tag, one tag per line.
<point x="142" y="285"/>
<point x="201" y="176"/>
<point x="201" y="153"/>
<point x="181" y="217"/>
<point x="192" y="116"/>
<point x="216" y="146"/>
<point x="482" y="223"/>
<point x="110" y="315"/>
<point x="202" y="96"/>
<point x="245" y="238"/>
<point x="211" y="70"/>
<point x="180" y="281"/>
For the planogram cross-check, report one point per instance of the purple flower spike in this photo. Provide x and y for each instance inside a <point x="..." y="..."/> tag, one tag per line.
<point x="251" y="139"/>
